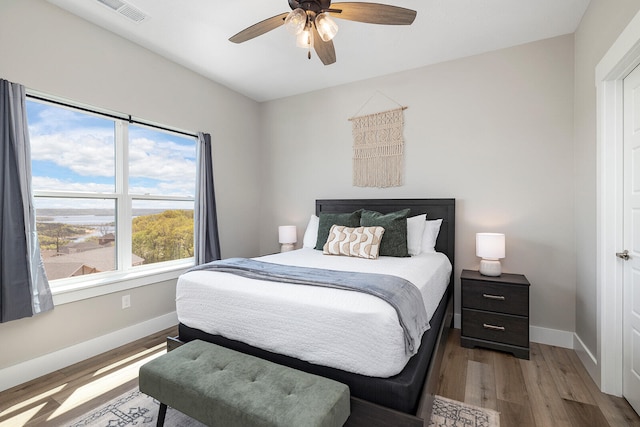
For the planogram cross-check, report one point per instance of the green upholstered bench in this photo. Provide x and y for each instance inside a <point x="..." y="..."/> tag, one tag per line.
<point x="222" y="387"/>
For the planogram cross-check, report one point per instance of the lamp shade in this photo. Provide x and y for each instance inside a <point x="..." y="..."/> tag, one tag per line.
<point x="327" y="28"/>
<point x="304" y="39"/>
<point x="295" y="21"/>
<point x="287" y="234"/>
<point x="490" y="246"/>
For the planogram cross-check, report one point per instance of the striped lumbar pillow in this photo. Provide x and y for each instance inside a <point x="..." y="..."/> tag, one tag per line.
<point x="362" y="242"/>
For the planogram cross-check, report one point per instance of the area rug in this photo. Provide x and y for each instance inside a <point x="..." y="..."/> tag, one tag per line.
<point x="451" y="413"/>
<point x="136" y="409"/>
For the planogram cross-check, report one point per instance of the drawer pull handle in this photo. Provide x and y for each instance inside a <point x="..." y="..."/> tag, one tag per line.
<point x="493" y="327"/>
<point x="496" y="297"/>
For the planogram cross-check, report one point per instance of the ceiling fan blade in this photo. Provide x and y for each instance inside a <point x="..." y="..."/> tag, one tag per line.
<point x="374" y="13"/>
<point x="260" y="28"/>
<point x="325" y="50"/>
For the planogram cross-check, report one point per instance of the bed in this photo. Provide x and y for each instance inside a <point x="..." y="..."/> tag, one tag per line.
<point x="377" y="375"/>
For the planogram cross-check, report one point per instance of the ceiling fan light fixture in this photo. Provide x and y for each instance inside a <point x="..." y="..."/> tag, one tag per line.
<point x="309" y="20"/>
<point x="296" y="21"/>
<point x="305" y="38"/>
<point x="326" y="26"/>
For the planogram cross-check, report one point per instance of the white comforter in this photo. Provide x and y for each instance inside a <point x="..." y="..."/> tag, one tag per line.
<point x="347" y="330"/>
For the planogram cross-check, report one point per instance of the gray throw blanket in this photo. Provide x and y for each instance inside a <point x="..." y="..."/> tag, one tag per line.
<point x="401" y="294"/>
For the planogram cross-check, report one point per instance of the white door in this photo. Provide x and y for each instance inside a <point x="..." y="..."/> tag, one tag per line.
<point x="631" y="188"/>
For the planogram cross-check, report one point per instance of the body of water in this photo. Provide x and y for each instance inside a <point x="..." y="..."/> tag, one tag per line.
<point x="98" y="223"/>
<point x="78" y="219"/>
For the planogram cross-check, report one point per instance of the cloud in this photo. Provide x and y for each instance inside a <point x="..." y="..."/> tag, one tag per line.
<point x="82" y="152"/>
<point x="164" y="161"/>
<point x="78" y="148"/>
<point x="48" y="183"/>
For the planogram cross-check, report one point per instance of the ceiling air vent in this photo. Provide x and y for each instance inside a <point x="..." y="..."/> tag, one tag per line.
<point x="125" y="10"/>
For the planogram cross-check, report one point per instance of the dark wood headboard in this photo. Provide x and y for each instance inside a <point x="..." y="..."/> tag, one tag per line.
<point x="434" y="208"/>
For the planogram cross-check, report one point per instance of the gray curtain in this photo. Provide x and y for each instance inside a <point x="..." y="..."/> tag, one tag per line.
<point x="207" y="241"/>
<point x="24" y="288"/>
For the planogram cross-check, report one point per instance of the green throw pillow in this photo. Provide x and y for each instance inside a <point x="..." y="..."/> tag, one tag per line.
<point x="326" y="220"/>
<point x="394" y="239"/>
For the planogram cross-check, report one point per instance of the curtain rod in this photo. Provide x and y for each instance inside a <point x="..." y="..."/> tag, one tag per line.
<point x="111" y="116"/>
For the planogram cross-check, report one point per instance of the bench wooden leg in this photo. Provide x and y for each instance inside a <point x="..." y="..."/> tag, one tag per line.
<point x="162" y="411"/>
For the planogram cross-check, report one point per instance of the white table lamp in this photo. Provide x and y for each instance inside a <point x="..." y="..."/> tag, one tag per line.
<point x="287" y="237"/>
<point x="490" y="247"/>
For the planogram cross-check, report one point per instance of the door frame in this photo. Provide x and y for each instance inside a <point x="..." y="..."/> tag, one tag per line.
<point x="617" y="63"/>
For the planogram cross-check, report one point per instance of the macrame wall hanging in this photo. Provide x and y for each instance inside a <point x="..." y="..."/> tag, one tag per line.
<point x="378" y="148"/>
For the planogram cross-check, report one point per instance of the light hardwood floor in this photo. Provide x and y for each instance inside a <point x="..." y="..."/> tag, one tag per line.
<point x="66" y="394"/>
<point x="551" y="389"/>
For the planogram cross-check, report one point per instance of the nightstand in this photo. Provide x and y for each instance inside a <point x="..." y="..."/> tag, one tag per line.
<point x="495" y="312"/>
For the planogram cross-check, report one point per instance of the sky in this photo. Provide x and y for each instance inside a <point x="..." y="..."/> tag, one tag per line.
<point x="75" y="151"/>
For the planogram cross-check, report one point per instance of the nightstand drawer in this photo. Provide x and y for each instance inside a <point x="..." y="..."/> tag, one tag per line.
<point x="510" y="299"/>
<point x="502" y="328"/>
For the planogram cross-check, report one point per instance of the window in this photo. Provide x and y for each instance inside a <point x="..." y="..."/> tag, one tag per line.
<point x="110" y="196"/>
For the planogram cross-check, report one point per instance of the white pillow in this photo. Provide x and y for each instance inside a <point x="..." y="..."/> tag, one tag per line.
<point x="430" y="235"/>
<point x="311" y="233"/>
<point x="415" y="231"/>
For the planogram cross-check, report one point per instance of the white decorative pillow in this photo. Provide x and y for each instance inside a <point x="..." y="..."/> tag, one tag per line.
<point x="362" y="242"/>
<point x="431" y="235"/>
<point x="415" y="231"/>
<point x="311" y="233"/>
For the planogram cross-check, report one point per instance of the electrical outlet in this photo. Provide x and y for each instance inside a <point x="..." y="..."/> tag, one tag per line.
<point x="126" y="301"/>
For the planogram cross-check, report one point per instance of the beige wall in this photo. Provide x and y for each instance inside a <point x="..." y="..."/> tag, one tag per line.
<point x="75" y="323"/>
<point x="602" y="23"/>
<point x="52" y="51"/>
<point x="494" y="131"/>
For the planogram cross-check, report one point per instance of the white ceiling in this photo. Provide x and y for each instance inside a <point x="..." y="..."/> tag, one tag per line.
<point x="195" y="33"/>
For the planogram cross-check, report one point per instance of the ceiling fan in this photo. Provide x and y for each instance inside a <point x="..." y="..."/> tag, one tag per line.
<point x="311" y="21"/>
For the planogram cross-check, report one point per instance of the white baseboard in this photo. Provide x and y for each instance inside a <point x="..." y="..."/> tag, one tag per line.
<point x="555" y="337"/>
<point x="587" y="358"/>
<point x="34" y="368"/>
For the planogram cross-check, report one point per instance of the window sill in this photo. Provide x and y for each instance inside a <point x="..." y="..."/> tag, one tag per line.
<point x="91" y="287"/>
